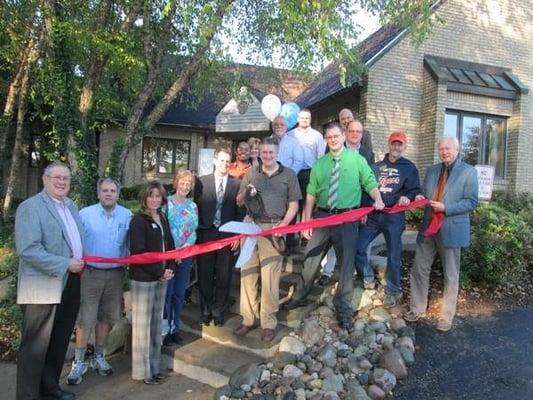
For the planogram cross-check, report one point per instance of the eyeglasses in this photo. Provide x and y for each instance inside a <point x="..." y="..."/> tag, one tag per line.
<point x="58" y="178"/>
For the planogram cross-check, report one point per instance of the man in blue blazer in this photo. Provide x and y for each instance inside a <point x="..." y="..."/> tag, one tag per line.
<point x="49" y="242"/>
<point x="452" y="187"/>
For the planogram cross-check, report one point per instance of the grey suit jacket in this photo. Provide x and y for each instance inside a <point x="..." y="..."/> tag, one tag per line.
<point x="43" y="249"/>
<point x="460" y="198"/>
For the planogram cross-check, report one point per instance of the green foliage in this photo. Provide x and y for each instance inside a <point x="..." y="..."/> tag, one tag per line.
<point x="500" y="251"/>
<point x="414" y="217"/>
<point x="513" y="202"/>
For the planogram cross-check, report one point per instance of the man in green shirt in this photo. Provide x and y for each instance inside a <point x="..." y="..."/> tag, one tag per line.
<point x="335" y="186"/>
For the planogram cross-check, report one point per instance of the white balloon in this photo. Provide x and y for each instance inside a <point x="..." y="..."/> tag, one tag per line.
<point x="271" y="106"/>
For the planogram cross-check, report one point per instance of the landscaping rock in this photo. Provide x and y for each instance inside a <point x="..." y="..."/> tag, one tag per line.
<point x="248" y="374"/>
<point x="384" y="379"/>
<point x="380" y="314"/>
<point x="392" y="360"/>
<point x="406" y="342"/>
<point x="333" y="383"/>
<point x="293" y="345"/>
<point x="376" y="393"/>
<point x="407" y="355"/>
<point x="283" y="358"/>
<point x="291" y="371"/>
<point x="312" y="332"/>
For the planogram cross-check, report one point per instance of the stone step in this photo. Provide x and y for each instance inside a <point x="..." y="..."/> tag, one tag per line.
<point x="251" y="343"/>
<point x="205" y="361"/>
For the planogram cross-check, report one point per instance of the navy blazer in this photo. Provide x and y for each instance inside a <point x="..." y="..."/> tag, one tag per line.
<point x="460" y="197"/>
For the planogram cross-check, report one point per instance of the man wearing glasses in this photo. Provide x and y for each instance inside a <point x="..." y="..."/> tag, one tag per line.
<point x="49" y="239"/>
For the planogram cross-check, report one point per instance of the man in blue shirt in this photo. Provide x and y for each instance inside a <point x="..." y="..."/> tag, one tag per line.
<point x="290" y="152"/>
<point x="106" y="227"/>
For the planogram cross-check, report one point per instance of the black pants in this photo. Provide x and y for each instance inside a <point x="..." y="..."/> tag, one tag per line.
<point x="46" y="332"/>
<point x="214" y="275"/>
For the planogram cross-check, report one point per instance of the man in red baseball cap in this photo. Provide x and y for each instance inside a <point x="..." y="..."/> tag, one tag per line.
<point x="398" y="184"/>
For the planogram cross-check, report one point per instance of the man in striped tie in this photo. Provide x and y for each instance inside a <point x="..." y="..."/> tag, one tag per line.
<point x="335" y="186"/>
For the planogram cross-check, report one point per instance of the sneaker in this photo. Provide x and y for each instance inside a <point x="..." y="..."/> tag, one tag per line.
<point x="392" y="300"/>
<point x="75" y="376"/>
<point x="100" y="365"/>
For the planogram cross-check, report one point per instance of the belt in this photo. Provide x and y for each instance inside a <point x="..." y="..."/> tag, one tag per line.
<point x="92" y="268"/>
<point x="335" y="210"/>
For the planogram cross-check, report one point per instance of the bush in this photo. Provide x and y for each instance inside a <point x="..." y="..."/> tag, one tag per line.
<point x="500" y="251"/>
<point x="413" y="217"/>
<point x="513" y="202"/>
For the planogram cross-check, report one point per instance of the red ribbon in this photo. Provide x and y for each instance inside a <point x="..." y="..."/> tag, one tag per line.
<point x="201" y="248"/>
<point x="435" y="224"/>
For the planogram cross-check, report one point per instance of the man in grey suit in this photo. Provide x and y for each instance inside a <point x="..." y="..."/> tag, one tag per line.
<point x="49" y="241"/>
<point x="452" y="187"/>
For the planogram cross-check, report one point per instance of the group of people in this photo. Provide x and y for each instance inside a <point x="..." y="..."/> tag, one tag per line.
<point x="268" y="183"/>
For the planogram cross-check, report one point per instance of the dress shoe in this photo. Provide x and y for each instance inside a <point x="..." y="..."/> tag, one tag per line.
<point x="172" y="339"/>
<point x="268" y="335"/>
<point x="147" y="381"/>
<point x="59" y="394"/>
<point x="243" y="330"/>
<point x="206" y="319"/>
<point x="219" y="321"/>
<point x="293" y="303"/>
<point x="324" y="280"/>
<point x="159" y="377"/>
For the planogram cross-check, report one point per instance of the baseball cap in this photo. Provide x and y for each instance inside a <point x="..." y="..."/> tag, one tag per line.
<point x="398" y="137"/>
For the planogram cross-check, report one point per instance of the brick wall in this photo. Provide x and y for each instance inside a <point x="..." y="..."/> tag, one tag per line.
<point x="401" y="95"/>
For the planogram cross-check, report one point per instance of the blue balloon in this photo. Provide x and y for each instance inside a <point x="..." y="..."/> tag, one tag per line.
<point x="290" y="112"/>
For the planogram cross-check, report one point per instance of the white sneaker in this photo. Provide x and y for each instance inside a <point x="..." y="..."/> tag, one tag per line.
<point x="76" y="373"/>
<point x="100" y="365"/>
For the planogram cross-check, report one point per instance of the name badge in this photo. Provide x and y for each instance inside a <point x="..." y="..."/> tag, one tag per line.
<point x="154" y="225"/>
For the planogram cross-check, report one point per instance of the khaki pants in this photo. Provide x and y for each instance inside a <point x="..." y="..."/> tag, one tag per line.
<point x="424" y="257"/>
<point x="260" y="284"/>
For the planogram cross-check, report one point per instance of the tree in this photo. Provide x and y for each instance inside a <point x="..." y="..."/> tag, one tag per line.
<point x="126" y="61"/>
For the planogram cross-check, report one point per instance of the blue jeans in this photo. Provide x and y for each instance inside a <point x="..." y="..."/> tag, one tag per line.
<point x="392" y="227"/>
<point x="176" y="294"/>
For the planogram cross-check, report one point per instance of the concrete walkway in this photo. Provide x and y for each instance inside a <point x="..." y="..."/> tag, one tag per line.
<point x="119" y="385"/>
<point x="485" y="358"/>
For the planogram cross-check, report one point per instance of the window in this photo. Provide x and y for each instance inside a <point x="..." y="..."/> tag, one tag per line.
<point x="165" y="156"/>
<point x="483" y="138"/>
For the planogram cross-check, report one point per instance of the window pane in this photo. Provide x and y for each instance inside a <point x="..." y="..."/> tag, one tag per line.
<point x="495" y="145"/>
<point x="470" y="139"/>
<point x="149" y="154"/>
<point x="166" y="151"/>
<point x="182" y="153"/>
<point x="450" y="125"/>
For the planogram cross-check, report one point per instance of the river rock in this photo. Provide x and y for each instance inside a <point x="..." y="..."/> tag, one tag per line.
<point x="387" y="342"/>
<point x="293" y="345"/>
<point x="407" y="355"/>
<point x="333" y="383"/>
<point x="325" y="311"/>
<point x="291" y="371"/>
<point x="406" y="331"/>
<point x="331" y="396"/>
<point x="406" y="341"/>
<point x="283" y="358"/>
<point x="312" y="332"/>
<point x="362" y="298"/>
<point x="376" y="393"/>
<point x="384" y="379"/>
<point x="379" y="314"/>
<point x="392" y="360"/>
<point x="247" y="374"/>
<point x="397" y="323"/>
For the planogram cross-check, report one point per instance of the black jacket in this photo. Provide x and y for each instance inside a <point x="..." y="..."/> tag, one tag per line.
<point x="145" y="236"/>
<point x="205" y="197"/>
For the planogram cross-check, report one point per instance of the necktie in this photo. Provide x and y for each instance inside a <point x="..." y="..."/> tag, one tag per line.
<point x="441" y="184"/>
<point x="220" y="196"/>
<point x="333" y="184"/>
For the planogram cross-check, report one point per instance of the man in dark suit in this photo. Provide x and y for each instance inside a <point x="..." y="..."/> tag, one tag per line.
<point x="49" y="238"/>
<point x="452" y="187"/>
<point x="354" y="135"/>
<point x="215" y="195"/>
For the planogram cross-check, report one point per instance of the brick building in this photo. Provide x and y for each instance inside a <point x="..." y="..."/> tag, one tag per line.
<point x="469" y="78"/>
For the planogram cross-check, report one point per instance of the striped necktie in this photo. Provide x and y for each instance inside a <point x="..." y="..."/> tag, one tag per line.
<point x="334" y="184"/>
<point x="220" y="197"/>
